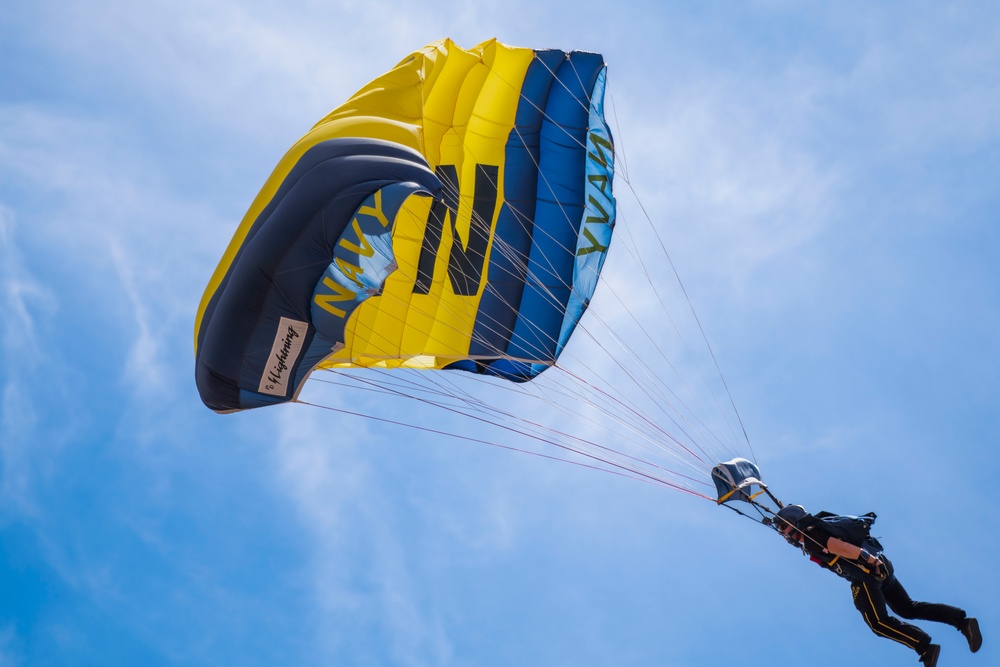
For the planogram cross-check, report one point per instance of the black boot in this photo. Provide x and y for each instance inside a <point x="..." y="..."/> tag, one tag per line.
<point x="930" y="656"/>
<point x="970" y="628"/>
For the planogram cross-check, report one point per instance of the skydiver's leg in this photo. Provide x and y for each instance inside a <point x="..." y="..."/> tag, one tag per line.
<point x="869" y="601"/>
<point x="899" y="601"/>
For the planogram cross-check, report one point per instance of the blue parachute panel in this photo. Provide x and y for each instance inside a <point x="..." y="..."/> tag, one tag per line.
<point x="501" y="300"/>
<point x="559" y="211"/>
<point x="598" y="216"/>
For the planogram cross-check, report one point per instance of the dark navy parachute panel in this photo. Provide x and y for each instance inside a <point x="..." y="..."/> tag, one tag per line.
<point x="258" y="322"/>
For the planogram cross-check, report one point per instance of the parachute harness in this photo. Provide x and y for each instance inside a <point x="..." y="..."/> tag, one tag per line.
<point x="737" y="479"/>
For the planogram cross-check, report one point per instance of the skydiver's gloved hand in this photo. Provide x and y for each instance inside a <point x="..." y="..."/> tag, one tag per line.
<point x="876" y="564"/>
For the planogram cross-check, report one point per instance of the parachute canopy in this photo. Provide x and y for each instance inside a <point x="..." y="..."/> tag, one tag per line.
<point x="455" y="213"/>
<point x="736" y="480"/>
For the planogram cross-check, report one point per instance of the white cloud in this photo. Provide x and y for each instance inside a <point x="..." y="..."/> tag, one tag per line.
<point x="325" y="482"/>
<point x="246" y="65"/>
<point x="20" y="335"/>
<point x="726" y="180"/>
<point x="21" y="296"/>
<point x="97" y="197"/>
<point x="359" y="563"/>
<point x="926" y="90"/>
<point x="145" y="364"/>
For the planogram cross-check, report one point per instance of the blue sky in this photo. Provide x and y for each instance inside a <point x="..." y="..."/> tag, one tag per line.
<point x="824" y="177"/>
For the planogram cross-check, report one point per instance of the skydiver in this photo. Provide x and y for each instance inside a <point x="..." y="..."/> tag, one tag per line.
<point x="874" y="584"/>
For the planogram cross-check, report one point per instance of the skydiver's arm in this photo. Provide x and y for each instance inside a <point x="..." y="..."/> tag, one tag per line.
<point x="848" y="550"/>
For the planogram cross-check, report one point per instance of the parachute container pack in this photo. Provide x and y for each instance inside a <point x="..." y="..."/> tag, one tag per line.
<point x="738" y="479"/>
<point x="455" y="213"/>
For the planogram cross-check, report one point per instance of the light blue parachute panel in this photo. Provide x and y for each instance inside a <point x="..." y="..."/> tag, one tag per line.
<point x="598" y="216"/>
<point x="362" y="260"/>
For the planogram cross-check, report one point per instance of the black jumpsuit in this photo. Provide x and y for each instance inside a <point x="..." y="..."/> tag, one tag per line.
<point x="871" y="596"/>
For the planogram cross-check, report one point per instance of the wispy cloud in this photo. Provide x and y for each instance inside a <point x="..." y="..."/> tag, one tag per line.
<point x="145" y="365"/>
<point x="21" y="295"/>
<point x="359" y="562"/>
<point x="369" y="571"/>
<point x="234" y="64"/>
<point x="726" y="179"/>
<point x="20" y="336"/>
